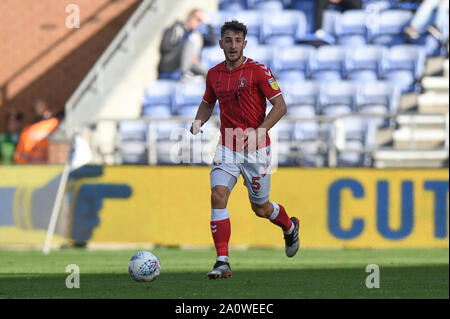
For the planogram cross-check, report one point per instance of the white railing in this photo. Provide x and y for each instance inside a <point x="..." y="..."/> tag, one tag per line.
<point x="330" y="143"/>
<point x="94" y="81"/>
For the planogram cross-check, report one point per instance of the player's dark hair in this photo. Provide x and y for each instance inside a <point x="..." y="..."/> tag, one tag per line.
<point x="234" y="26"/>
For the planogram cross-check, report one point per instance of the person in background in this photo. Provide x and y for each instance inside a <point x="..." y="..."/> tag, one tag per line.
<point x="322" y="5"/>
<point x="181" y="46"/>
<point x="32" y="147"/>
<point x="423" y="15"/>
<point x="10" y="138"/>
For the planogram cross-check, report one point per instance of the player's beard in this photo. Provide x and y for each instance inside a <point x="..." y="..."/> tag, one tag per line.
<point x="238" y="56"/>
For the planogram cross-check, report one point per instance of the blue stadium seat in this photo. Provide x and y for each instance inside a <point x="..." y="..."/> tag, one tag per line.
<point x="218" y="18"/>
<point x="188" y="94"/>
<point x="159" y="92"/>
<point x="378" y="98"/>
<point x="302" y="94"/>
<point x="253" y="19"/>
<point x="328" y="63"/>
<point x="283" y="27"/>
<point x="307" y="7"/>
<point x="133" y="130"/>
<point x="379" y="5"/>
<point x="351" y="28"/>
<point x="156" y="111"/>
<point x="232" y="4"/>
<point x="404" y="66"/>
<point x="284" y="129"/>
<point x="260" y="53"/>
<point x="132" y="144"/>
<point x="363" y="63"/>
<point x="388" y="28"/>
<point x="266" y="5"/>
<point x="211" y="56"/>
<point x="337" y="98"/>
<point x="292" y="63"/>
<point x="329" y="20"/>
<point x="355" y="130"/>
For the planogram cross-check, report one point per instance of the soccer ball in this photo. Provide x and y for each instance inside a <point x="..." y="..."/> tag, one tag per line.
<point x="144" y="266"/>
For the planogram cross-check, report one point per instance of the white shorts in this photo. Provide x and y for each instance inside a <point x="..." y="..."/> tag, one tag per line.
<point x="254" y="167"/>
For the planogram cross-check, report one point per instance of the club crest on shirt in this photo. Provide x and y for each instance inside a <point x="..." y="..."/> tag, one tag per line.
<point x="242" y="82"/>
<point x="273" y="84"/>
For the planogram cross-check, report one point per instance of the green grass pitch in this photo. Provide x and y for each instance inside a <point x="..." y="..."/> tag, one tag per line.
<point x="257" y="273"/>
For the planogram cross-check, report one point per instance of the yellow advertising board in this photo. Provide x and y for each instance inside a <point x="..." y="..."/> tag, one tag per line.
<point x="337" y="208"/>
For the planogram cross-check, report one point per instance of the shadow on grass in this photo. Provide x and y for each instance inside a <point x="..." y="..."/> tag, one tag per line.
<point x="428" y="281"/>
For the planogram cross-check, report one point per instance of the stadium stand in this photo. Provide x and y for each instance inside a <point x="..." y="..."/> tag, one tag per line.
<point x="364" y="99"/>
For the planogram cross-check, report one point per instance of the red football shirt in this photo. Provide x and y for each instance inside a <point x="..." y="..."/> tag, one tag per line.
<point x="242" y="94"/>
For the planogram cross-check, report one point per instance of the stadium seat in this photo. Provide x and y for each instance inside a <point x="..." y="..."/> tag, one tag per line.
<point x="165" y="130"/>
<point x="378" y="97"/>
<point x="328" y="63"/>
<point x="283" y="27"/>
<point x="253" y="20"/>
<point x="329" y="20"/>
<point x="337" y="98"/>
<point x="188" y="94"/>
<point x="363" y="63"/>
<point x="350" y="149"/>
<point x="404" y="66"/>
<point x="378" y="5"/>
<point x="307" y="7"/>
<point x="211" y="56"/>
<point x="159" y="92"/>
<point x="232" y="5"/>
<point x="162" y="111"/>
<point x="292" y="63"/>
<point x="351" y="28"/>
<point x="283" y="154"/>
<point x="302" y="94"/>
<point x="132" y="145"/>
<point x="284" y="129"/>
<point x="388" y="28"/>
<point x="266" y="5"/>
<point x="260" y="53"/>
<point x="218" y="18"/>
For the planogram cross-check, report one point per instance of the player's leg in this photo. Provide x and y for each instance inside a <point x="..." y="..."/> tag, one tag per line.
<point x="257" y="180"/>
<point x="224" y="175"/>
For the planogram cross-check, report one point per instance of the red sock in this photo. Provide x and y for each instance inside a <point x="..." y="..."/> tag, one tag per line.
<point x="221" y="232"/>
<point x="282" y="219"/>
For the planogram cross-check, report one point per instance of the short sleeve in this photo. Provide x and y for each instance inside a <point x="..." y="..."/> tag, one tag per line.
<point x="210" y="95"/>
<point x="266" y="82"/>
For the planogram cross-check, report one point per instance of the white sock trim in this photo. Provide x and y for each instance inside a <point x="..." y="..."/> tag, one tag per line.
<point x="219" y="214"/>
<point x="276" y="211"/>
<point x="223" y="258"/>
<point x="290" y="230"/>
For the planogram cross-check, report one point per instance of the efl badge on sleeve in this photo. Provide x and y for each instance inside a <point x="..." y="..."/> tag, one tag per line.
<point x="273" y="84"/>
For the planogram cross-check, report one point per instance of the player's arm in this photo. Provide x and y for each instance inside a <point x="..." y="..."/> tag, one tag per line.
<point x="275" y="114"/>
<point x="204" y="112"/>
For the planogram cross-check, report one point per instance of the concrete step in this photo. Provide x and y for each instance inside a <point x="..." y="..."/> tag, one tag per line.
<point x="410" y="159"/>
<point x="435" y="84"/>
<point x="421" y="121"/>
<point x="407" y="137"/>
<point x="432" y="102"/>
<point x="446" y="69"/>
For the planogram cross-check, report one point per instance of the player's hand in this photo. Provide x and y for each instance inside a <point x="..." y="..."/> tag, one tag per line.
<point x="196" y="127"/>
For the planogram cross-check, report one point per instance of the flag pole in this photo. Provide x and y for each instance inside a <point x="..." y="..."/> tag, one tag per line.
<point x="57" y="203"/>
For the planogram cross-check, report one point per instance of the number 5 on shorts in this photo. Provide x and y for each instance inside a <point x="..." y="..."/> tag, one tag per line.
<point x="255" y="185"/>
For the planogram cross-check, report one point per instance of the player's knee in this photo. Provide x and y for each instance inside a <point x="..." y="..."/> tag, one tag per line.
<point x="260" y="210"/>
<point x="219" y="197"/>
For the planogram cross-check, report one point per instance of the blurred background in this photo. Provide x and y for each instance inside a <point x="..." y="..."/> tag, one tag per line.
<point x="362" y="153"/>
